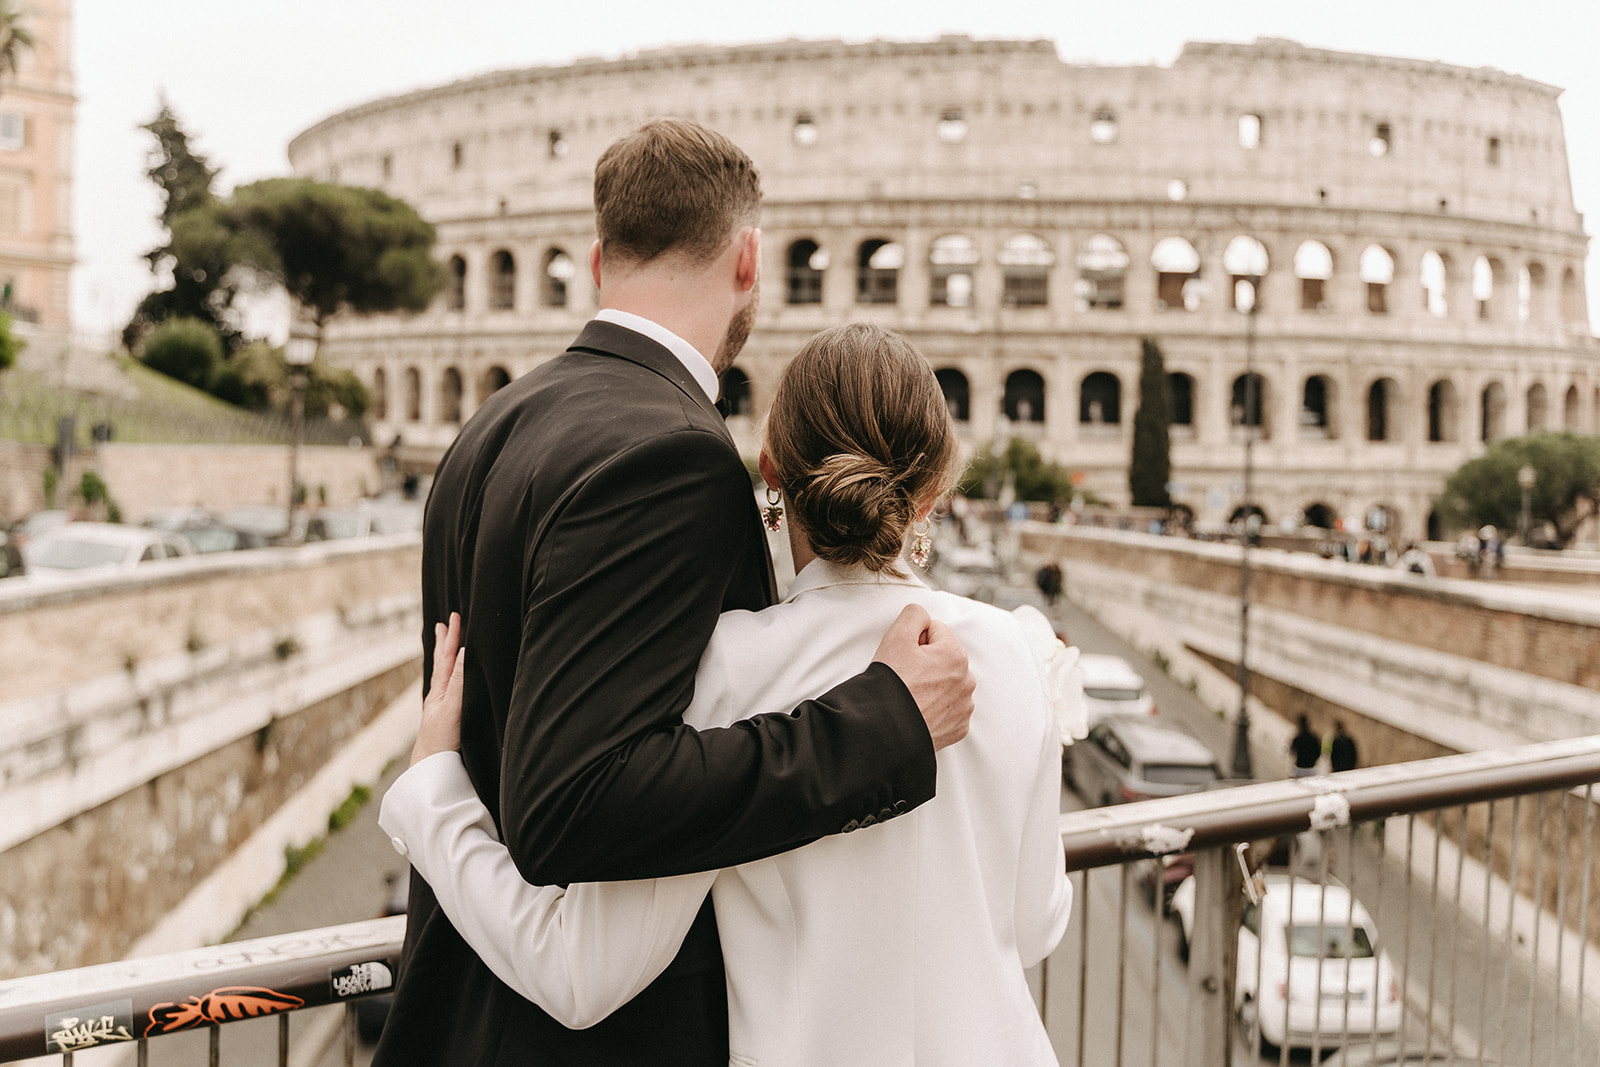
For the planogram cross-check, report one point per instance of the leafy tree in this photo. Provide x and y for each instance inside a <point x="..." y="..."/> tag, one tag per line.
<point x="1567" y="489"/>
<point x="10" y="344"/>
<point x="1150" y="468"/>
<point x="15" y="39"/>
<point x="260" y="379"/>
<point x="186" y="349"/>
<point x="1034" y="479"/>
<point x="337" y="248"/>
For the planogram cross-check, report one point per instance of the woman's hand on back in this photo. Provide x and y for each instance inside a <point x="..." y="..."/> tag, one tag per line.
<point x="441" y="709"/>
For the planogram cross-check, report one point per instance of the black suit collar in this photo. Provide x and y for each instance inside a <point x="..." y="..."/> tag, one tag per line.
<point x="609" y="339"/>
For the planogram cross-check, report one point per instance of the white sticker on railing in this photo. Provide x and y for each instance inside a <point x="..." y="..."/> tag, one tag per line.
<point x="1330" y="811"/>
<point x="361" y="978"/>
<point x="1159" y="840"/>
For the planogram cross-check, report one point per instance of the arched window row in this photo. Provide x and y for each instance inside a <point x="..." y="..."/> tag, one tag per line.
<point x="449" y="390"/>
<point x="556" y="272"/>
<point x="1101" y="267"/>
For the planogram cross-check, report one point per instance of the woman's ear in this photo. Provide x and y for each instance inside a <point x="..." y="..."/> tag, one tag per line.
<point x="769" y="473"/>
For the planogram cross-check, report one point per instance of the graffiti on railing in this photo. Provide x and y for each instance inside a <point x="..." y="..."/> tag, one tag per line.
<point x="81" y="1028"/>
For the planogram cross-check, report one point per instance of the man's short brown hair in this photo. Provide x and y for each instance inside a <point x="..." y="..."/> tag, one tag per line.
<point x="673" y="186"/>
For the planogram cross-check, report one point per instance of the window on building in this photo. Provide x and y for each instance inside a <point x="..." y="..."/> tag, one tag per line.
<point x="1103" y="126"/>
<point x="1249" y="131"/>
<point x="1573" y="313"/>
<point x="1245" y="260"/>
<point x="556" y="277"/>
<point x="388" y="166"/>
<point x="1024" y="398"/>
<point x="1377" y="273"/>
<point x="736" y="392"/>
<point x="1538" y="407"/>
<point x="1444" y="415"/>
<point x="1316" y="407"/>
<point x="1492" y="152"/>
<point x="1569" y="410"/>
<point x="805" y="130"/>
<point x="1492" y="421"/>
<point x="457" y="155"/>
<point x="1379" y="143"/>
<point x="1102" y="271"/>
<point x="878" y="263"/>
<point x="13" y="131"/>
<point x="1434" y="275"/>
<point x="1249" y="403"/>
<point x="957" y="393"/>
<point x="493" y="380"/>
<point x="380" y="394"/>
<point x="952" y="126"/>
<point x="1182" y="386"/>
<point x="1313" y="265"/>
<point x="1381" y="397"/>
<point x="1177" y="267"/>
<point x="455" y="293"/>
<point x="1486" y="274"/>
<point x="806" y="260"/>
<point x="413" y="395"/>
<point x="502" y="281"/>
<point x="1025" y="262"/>
<point x="555" y="144"/>
<point x="951" y="259"/>
<point x="450" y="396"/>
<point x="1100" y="400"/>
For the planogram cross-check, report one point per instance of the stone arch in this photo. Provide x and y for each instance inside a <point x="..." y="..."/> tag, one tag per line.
<point x="1177" y="267"/>
<point x="1538" y="407"/>
<point x="413" y="395"/>
<point x="1025" y="262"/>
<point x="1321" y="516"/>
<point x="1313" y="265"/>
<point x="502" y="281"/>
<point x="1492" y="413"/>
<point x="1444" y="411"/>
<point x="1573" y="314"/>
<point x="1245" y="260"/>
<point x="1382" y="397"/>
<point x="1488" y="281"/>
<point x="380" y="394"/>
<point x="556" y="278"/>
<point x="450" y="396"/>
<point x="1182" y="386"/>
<point x="878" y="263"/>
<point x="737" y="398"/>
<point x="455" y="289"/>
<point x="804" y="263"/>
<point x="1530" y="291"/>
<point x="957" y="392"/>
<point x="1100" y="399"/>
<point x="1319" y="407"/>
<point x="1102" y="272"/>
<point x="1570" y="407"/>
<point x="1433" y="273"/>
<point x="1024" y="397"/>
<point x="951" y="259"/>
<point x="1376" y="271"/>
<point x="491" y="381"/>
<point x="1251" y="403"/>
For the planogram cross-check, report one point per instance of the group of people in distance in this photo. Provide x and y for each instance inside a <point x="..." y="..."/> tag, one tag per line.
<point x="657" y="816"/>
<point x="1306" y="748"/>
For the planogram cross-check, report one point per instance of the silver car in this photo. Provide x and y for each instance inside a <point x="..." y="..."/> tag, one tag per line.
<point x="1126" y="759"/>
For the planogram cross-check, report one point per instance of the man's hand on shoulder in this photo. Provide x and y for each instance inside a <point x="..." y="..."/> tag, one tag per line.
<point x="933" y="665"/>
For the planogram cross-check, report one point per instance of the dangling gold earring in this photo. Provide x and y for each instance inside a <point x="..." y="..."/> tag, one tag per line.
<point x="772" y="514"/>
<point x="921" y="544"/>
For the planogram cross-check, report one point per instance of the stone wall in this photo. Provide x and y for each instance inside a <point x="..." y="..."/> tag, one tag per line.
<point x="154" y="727"/>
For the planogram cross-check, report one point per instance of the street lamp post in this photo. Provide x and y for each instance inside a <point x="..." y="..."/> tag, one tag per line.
<point x="1244" y="297"/>
<point x="1527" y="478"/>
<point x="298" y="353"/>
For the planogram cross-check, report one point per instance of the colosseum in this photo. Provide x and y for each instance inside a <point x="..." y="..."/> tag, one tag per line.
<point x="1372" y="266"/>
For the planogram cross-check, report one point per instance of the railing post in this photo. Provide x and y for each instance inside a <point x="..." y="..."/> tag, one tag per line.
<point x="1214" y="950"/>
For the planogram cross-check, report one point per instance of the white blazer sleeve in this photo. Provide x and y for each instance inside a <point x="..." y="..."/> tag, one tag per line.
<point x="580" y="953"/>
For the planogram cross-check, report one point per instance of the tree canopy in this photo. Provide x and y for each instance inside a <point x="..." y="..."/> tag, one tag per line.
<point x="1150" y="467"/>
<point x="336" y="247"/>
<point x="1566" y="489"/>
<point x="15" y="38"/>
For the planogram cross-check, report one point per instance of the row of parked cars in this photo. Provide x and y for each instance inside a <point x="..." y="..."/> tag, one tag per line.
<point x="50" y="544"/>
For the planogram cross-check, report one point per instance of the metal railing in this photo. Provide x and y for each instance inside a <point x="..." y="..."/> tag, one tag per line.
<point x="1469" y="879"/>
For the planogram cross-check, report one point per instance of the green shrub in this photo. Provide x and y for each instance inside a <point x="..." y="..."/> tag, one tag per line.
<point x="186" y="349"/>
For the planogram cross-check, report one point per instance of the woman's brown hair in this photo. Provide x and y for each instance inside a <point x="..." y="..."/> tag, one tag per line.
<point x="860" y="436"/>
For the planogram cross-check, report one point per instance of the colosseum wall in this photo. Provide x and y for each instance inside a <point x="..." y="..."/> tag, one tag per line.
<point x="1407" y="229"/>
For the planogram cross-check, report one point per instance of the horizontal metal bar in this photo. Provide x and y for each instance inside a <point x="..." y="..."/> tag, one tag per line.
<point x="131" y="999"/>
<point x="1100" y="837"/>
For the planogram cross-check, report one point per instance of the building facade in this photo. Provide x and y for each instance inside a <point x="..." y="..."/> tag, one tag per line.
<point x="1372" y="265"/>
<point x="36" y="123"/>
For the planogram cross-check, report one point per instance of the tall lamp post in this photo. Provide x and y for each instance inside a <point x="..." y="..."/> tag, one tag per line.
<point x="1527" y="478"/>
<point x="1244" y="298"/>
<point x="298" y="352"/>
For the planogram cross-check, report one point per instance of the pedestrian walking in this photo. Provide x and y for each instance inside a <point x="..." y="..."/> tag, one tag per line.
<point x="1049" y="582"/>
<point x="1306" y="748"/>
<point x="1341" y="749"/>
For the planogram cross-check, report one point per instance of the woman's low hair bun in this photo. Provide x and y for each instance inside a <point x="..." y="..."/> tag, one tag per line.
<point x="853" y="509"/>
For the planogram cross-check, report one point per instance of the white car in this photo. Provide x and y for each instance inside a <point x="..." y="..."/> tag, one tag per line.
<point x="90" y="547"/>
<point x="1327" y="970"/>
<point x="1112" y="687"/>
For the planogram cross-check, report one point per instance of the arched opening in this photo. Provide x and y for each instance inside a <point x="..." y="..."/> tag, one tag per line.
<point x="1245" y="260"/>
<point x="413" y="395"/>
<point x="950" y="262"/>
<point x="1313" y="265"/>
<point x="957" y="394"/>
<point x="1569" y="410"/>
<point x="1321" y="516"/>
<point x="1246" y="511"/>
<point x="1573" y="313"/>
<point x="1025" y="262"/>
<point x="1435" y="527"/>
<point x="1487" y="280"/>
<point x="1317" y="415"/>
<point x="1530" y="291"/>
<point x="1538" y="407"/>
<point x="1381" y="397"/>
<point x="502" y="281"/>
<point x="1100" y="400"/>
<point x="1444" y="412"/>
<point x="559" y="270"/>
<point x="1493" y="413"/>
<point x="380" y="394"/>
<point x="1024" y="399"/>
<point x="492" y="381"/>
<point x="455" y="290"/>
<point x="736" y="399"/>
<point x="1182" y="386"/>
<point x="1177" y="267"/>
<point x="803" y="274"/>
<point x="1102" y="272"/>
<point x="450" y="396"/>
<point x="1377" y="273"/>
<point x="1434" y="275"/>
<point x="1249" y="404"/>
<point x="878" y="263"/>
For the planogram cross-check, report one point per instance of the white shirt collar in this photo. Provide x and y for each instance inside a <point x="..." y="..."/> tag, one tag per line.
<point x="698" y="366"/>
<point x="820" y="574"/>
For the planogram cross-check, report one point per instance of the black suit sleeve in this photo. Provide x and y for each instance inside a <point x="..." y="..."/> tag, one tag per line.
<point x="600" y="779"/>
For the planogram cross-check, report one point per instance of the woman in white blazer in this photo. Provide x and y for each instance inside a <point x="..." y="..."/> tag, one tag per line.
<point x="902" y="943"/>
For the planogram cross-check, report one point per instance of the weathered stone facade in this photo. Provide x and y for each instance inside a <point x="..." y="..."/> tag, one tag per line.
<point x="1026" y="222"/>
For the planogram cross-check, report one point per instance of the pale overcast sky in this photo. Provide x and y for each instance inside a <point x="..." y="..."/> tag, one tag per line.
<point x="245" y="78"/>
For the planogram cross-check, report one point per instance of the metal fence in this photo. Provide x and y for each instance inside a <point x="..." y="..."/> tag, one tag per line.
<point x="1444" y="906"/>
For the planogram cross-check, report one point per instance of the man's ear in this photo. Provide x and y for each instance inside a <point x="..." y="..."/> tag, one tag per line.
<point x="594" y="263"/>
<point x="748" y="267"/>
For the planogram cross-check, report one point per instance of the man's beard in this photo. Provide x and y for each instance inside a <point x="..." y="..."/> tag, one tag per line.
<point x="738" y="333"/>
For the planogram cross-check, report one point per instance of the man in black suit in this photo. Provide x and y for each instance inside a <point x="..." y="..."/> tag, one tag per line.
<point x="590" y="523"/>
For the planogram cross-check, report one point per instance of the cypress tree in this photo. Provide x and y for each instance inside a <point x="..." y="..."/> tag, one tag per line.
<point x="1150" y="468"/>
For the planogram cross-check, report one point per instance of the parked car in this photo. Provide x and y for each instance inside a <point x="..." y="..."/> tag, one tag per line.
<point x="1323" y="962"/>
<point x="1124" y="759"/>
<point x="333" y="524"/>
<point x="205" y="531"/>
<point x="269" y="521"/>
<point x="84" y="547"/>
<point x="1112" y="687"/>
<point x="1390" y="1053"/>
<point x="11" y="565"/>
<point x="37" y="523"/>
